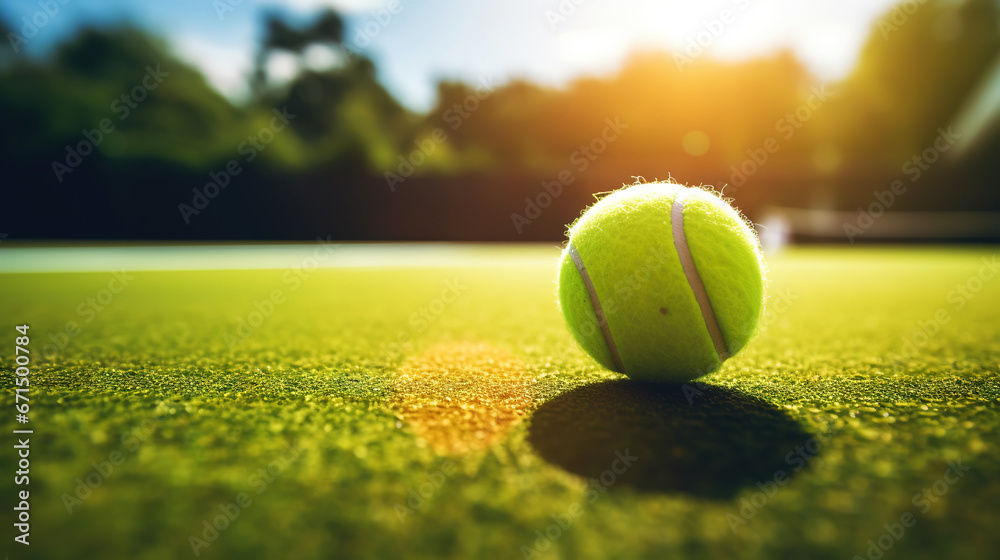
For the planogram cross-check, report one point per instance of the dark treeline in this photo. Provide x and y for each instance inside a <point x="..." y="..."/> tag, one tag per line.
<point x="112" y="137"/>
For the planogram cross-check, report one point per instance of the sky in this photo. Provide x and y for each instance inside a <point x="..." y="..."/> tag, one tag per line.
<point x="420" y="42"/>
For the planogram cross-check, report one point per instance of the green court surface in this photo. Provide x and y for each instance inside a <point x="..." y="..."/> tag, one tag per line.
<point x="444" y="411"/>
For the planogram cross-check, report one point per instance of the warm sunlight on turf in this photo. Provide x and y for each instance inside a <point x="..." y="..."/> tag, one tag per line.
<point x="462" y="397"/>
<point x="876" y="370"/>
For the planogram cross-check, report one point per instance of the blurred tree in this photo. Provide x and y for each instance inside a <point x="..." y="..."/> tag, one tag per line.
<point x="327" y="29"/>
<point x="342" y="112"/>
<point x="508" y="126"/>
<point x="911" y="78"/>
<point x="525" y="126"/>
<point x="168" y="133"/>
<point x="152" y="104"/>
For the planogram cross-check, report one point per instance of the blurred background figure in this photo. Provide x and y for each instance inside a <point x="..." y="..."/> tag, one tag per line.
<point x="851" y="122"/>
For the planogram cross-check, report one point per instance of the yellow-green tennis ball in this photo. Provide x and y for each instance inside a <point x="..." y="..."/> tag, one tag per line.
<point x="662" y="282"/>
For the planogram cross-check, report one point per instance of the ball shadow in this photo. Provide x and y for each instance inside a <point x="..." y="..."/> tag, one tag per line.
<point x="700" y="440"/>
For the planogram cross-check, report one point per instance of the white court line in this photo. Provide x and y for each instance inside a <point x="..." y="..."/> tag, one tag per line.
<point x="275" y="256"/>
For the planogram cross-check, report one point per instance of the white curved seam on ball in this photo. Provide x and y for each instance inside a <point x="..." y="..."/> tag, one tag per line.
<point x="693" y="278"/>
<point x="602" y="319"/>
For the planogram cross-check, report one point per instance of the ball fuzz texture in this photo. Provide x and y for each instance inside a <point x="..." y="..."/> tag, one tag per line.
<point x="662" y="282"/>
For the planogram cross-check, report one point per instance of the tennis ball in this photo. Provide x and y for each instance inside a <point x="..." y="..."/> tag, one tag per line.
<point x="662" y="282"/>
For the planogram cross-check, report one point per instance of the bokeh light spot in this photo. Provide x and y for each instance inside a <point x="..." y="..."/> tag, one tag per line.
<point x="696" y="143"/>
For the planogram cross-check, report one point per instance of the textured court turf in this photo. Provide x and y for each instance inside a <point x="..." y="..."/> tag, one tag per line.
<point x="445" y="412"/>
